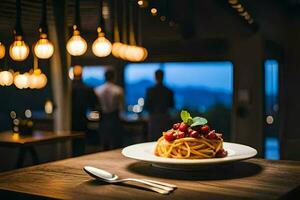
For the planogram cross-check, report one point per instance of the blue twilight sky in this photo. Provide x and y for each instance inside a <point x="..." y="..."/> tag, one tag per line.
<point x="212" y="75"/>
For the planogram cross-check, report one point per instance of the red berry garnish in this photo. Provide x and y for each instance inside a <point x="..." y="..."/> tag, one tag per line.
<point x="221" y="153"/>
<point x="176" y="126"/>
<point x="169" y="135"/>
<point x="190" y="131"/>
<point x="180" y="135"/>
<point x="183" y="127"/>
<point x="205" y="129"/>
<point x="212" y="135"/>
<point x="194" y="134"/>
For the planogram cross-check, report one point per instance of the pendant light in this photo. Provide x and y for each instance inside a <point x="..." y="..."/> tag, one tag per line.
<point x="37" y="79"/>
<point x="21" y="81"/>
<point x="2" y="50"/>
<point x="117" y="44"/>
<point x="124" y="47"/>
<point x="76" y="46"/>
<point x="101" y="46"/>
<point x="43" y="48"/>
<point x="132" y="52"/>
<point x="18" y="50"/>
<point x="6" y="78"/>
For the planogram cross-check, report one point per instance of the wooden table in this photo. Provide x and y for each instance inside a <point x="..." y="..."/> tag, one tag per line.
<point x="251" y="179"/>
<point x="26" y="143"/>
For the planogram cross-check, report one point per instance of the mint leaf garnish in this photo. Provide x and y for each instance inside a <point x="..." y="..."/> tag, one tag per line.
<point x="190" y="121"/>
<point x="197" y="121"/>
<point x="185" y="116"/>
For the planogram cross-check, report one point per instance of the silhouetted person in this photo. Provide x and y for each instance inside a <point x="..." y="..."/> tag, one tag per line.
<point x="159" y="100"/>
<point x="111" y="100"/>
<point x="83" y="99"/>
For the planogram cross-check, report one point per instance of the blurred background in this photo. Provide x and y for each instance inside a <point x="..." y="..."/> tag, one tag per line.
<point x="234" y="62"/>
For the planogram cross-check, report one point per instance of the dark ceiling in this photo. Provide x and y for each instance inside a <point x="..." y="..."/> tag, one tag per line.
<point x="178" y="11"/>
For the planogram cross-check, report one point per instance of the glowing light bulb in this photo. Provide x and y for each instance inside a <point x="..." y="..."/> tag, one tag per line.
<point x="43" y="81"/>
<point x="153" y="11"/>
<point x="48" y="107"/>
<point x="21" y="81"/>
<point x="19" y="50"/>
<point x="76" y="45"/>
<point x="116" y="48"/>
<point x="43" y="49"/>
<point x="2" y="50"/>
<point x="6" y="78"/>
<point x="101" y="46"/>
<point x="123" y="51"/>
<point x="37" y="79"/>
<point x="135" y="53"/>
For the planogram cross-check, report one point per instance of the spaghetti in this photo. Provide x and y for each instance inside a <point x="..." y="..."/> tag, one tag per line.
<point x="188" y="148"/>
<point x="190" y="139"/>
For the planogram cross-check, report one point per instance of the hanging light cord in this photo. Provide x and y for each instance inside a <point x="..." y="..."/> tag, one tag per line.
<point x="116" y="22"/>
<point x="43" y="24"/>
<point x="18" y="28"/>
<point x="124" y="22"/>
<point x="130" y="24"/>
<point x="77" y="14"/>
<point x="101" y="18"/>
<point x="139" y="26"/>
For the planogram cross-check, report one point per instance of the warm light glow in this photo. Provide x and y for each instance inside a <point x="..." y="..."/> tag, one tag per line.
<point x="269" y="119"/>
<point x="77" y="70"/>
<point x="21" y="81"/>
<point x="136" y="53"/>
<point x="43" y="49"/>
<point x="16" y="136"/>
<point x="71" y="73"/>
<point x="124" y="48"/>
<point x="153" y="11"/>
<point x="129" y="52"/>
<point x="6" y="78"/>
<point x="140" y="2"/>
<point x="37" y="79"/>
<point x="93" y="116"/>
<point x="101" y="46"/>
<point x="28" y="113"/>
<point x="116" y="49"/>
<point x="76" y="45"/>
<point x="18" y="50"/>
<point x="2" y="50"/>
<point x="48" y="107"/>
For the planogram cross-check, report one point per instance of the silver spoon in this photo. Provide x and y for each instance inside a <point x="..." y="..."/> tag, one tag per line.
<point x="113" y="178"/>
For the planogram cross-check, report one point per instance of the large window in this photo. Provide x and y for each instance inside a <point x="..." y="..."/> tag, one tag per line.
<point x="200" y="87"/>
<point x="197" y="85"/>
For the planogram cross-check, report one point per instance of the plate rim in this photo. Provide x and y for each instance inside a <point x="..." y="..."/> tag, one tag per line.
<point x="174" y="161"/>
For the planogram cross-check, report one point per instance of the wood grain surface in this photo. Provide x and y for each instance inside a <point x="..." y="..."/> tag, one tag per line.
<point x="251" y="179"/>
<point x="10" y="139"/>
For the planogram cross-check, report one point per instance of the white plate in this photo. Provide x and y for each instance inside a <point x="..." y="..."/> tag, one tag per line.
<point x="145" y="152"/>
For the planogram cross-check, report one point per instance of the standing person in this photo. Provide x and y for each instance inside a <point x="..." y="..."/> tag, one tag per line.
<point x="83" y="99"/>
<point x="111" y="100"/>
<point x="159" y="99"/>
